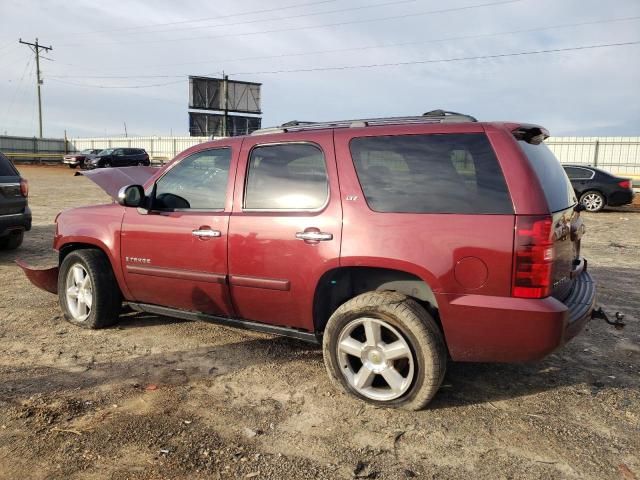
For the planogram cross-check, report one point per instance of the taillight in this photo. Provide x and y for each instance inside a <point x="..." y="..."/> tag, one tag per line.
<point x="533" y="257"/>
<point x="24" y="187"/>
<point x="625" y="184"/>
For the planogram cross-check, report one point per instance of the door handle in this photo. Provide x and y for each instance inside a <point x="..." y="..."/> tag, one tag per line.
<point x="312" y="236"/>
<point x="206" y="233"/>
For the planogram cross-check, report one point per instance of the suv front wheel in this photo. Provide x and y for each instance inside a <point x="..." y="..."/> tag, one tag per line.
<point x="87" y="290"/>
<point x="383" y="347"/>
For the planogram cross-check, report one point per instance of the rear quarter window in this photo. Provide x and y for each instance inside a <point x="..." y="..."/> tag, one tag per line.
<point x="6" y="167"/>
<point x="553" y="179"/>
<point x="437" y="173"/>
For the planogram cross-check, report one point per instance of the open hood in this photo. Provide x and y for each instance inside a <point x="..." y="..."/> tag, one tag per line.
<point x="111" y="180"/>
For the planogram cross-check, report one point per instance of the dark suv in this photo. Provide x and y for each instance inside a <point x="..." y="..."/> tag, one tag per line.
<point x="396" y="243"/>
<point x="118" y="157"/>
<point x="15" y="215"/>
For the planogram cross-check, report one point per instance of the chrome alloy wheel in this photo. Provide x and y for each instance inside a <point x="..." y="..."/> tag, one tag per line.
<point x="592" y="201"/>
<point x="79" y="292"/>
<point x="375" y="359"/>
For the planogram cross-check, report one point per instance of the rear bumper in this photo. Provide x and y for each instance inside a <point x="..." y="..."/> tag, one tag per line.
<point x="619" y="198"/>
<point x="481" y="328"/>
<point x="15" y="221"/>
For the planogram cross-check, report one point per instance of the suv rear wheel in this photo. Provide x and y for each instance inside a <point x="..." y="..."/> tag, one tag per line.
<point x="385" y="348"/>
<point x="88" y="291"/>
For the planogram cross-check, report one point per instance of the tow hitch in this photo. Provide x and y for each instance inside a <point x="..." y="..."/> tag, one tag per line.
<point x="618" y="323"/>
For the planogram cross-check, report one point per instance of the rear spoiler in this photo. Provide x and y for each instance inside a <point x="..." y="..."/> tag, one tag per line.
<point x="533" y="134"/>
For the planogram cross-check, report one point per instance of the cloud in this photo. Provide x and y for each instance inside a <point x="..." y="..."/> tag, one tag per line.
<point x="579" y="93"/>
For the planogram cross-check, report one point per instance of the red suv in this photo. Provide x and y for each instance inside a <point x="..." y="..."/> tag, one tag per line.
<point x="395" y="242"/>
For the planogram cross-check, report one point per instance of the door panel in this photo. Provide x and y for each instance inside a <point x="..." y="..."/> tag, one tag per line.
<point x="177" y="257"/>
<point x="165" y="264"/>
<point x="273" y="272"/>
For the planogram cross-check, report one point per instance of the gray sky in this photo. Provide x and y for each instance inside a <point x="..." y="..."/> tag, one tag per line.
<point x="154" y="45"/>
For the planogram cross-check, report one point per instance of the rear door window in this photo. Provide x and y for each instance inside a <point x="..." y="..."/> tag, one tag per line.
<point x="290" y="176"/>
<point x="577" y="173"/>
<point x="437" y="173"/>
<point x="553" y="179"/>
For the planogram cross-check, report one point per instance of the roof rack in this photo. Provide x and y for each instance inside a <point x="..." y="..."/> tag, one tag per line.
<point x="434" y="116"/>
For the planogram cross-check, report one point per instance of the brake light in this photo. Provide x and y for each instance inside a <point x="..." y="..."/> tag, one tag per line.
<point x="625" y="184"/>
<point x="533" y="257"/>
<point x="24" y="187"/>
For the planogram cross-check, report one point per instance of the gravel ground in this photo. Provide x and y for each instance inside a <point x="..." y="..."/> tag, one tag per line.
<point x="160" y="398"/>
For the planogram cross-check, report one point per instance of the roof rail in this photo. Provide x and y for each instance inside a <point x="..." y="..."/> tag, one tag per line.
<point x="434" y="116"/>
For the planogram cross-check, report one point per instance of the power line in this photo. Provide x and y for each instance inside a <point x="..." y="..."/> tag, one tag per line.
<point x="441" y="60"/>
<point x="312" y="27"/>
<point x="379" y="65"/>
<point x="206" y="19"/>
<point x="290" y="17"/>
<point x="353" y="49"/>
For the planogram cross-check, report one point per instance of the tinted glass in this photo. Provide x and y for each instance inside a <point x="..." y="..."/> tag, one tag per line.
<point x="197" y="182"/>
<point x="578" y="173"/>
<point x="288" y="176"/>
<point x="106" y="152"/>
<point x="557" y="188"/>
<point x="442" y="173"/>
<point x="6" y="167"/>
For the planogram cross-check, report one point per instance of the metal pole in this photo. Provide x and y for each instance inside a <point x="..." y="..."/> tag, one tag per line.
<point x="225" y="118"/>
<point x="595" y="153"/>
<point x="36" y="49"/>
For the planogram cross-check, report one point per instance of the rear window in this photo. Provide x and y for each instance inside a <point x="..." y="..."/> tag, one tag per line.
<point x="6" y="167"/>
<point x="553" y="179"/>
<point x="439" y="173"/>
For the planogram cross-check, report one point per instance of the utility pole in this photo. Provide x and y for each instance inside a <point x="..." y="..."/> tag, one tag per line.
<point x="35" y="48"/>
<point x="225" y="92"/>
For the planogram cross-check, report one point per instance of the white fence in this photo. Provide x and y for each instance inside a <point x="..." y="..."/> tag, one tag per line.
<point x="619" y="155"/>
<point x="160" y="149"/>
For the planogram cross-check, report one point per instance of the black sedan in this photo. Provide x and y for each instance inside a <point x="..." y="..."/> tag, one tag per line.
<point x="597" y="189"/>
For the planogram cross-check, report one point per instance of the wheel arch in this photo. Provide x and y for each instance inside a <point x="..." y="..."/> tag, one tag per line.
<point x="340" y="284"/>
<point x="66" y="248"/>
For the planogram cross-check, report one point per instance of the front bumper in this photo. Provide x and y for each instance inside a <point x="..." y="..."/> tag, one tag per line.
<point x="70" y="161"/>
<point x="15" y="221"/>
<point x="44" y="278"/>
<point x="481" y="328"/>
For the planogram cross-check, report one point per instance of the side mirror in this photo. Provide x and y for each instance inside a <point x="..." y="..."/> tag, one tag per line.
<point x="131" y="196"/>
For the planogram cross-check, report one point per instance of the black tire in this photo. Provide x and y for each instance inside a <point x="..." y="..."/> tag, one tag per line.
<point x="105" y="293"/>
<point x="593" y="200"/>
<point x="72" y="166"/>
<point x="12" y="241"/>
<point x="417" y="328"/>
<point x="106" y="164"/>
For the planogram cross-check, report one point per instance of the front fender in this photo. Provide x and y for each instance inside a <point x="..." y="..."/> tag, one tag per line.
<point x="93" y="227"/>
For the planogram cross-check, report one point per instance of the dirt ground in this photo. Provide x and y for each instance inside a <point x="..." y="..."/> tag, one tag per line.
<point x="156" y="398"/>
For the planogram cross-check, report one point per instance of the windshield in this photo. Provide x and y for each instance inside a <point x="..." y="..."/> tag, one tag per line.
<point x="108" y="151"/>
<point x="87" y="151"/>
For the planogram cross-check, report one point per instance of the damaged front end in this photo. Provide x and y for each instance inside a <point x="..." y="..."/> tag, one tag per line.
<point x="44" y="278"/>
